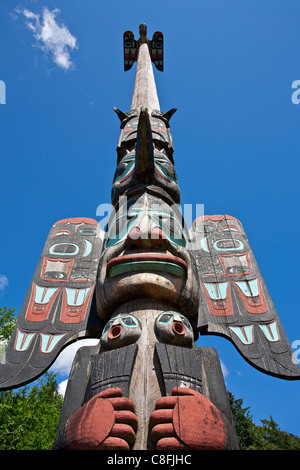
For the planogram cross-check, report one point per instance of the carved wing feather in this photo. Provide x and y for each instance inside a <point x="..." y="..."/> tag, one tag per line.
<point x="235" y="302"/>
<point x="58" y="303"/>
<point x="130" y="50"/>
<point x="157" y="50"/>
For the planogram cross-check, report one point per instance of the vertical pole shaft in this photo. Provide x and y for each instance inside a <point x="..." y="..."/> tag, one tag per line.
<point x="144" y="92"/>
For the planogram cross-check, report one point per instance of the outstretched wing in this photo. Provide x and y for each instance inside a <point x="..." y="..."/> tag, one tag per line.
<point x="157" y="50"/>
<point x="235" y="302"/>
<point x="57" y="306"/>
<point x="130" y="50"/>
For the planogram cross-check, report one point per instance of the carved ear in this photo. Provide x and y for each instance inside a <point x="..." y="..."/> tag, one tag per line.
<point x="58" y="306"/>
<point x="235" y="302"/>
<point x="122" y="116"/>
<point x="169" y="114"/>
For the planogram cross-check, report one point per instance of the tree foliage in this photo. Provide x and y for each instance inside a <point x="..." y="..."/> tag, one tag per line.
<point x="7" y="322"/>
<point x="268" y="436"/>
<point x="29" y="416"/>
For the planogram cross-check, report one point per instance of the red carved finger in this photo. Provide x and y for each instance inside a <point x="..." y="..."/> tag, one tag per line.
<point x="183" y="391"/>
<point x="170" y="443"/>
<point x="161" y="416"/>
<point x="161" y="431"/>
<point x="122" y="403"/>
<point x="113" y="443"/>
<point x="111" y="392"/>
<point x="123" y="431"/>
<point x="166" y="402"/>
<point x="126" y="417"/>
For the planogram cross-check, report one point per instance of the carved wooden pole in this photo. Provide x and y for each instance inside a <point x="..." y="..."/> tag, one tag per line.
<point x="144" y="92"/>
<point x="146" y="287"/>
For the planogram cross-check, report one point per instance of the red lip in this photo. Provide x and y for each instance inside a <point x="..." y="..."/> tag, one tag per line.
<point x="167" y="258"/>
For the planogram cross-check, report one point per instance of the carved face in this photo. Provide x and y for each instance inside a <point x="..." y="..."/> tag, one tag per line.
<point x="174" y="328"/>
<point x="161" y="173"/>
<point x="146" y="256"/>
<point x="120" y="331"/>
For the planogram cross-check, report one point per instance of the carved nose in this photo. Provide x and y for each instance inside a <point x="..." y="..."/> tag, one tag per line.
<point x="154" y="239"/>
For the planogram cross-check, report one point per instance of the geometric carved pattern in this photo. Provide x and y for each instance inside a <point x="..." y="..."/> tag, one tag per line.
<point x="235" y="301"/>
<point x="57" y="306"/>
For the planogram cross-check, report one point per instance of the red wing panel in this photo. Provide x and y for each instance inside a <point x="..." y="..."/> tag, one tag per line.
<point x="130" y="50"/>
<point x="57" y="306"/>
<point x="157" y="50"/>
<point x="235" y="302"/>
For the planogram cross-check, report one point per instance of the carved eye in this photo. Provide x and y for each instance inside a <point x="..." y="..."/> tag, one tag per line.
<point x="129" y="321"/>
<point x="186" y="323"/>
<point x="166" y="317"/>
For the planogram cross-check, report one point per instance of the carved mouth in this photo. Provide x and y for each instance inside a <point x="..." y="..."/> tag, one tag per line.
<point x="115" y="332"/>
<point x="178" y="328"/>
<point x="147" y="262"/>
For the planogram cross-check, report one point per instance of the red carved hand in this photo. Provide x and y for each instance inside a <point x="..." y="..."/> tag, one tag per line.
<point x="106" y="422"/>
<point x="186" y="420"/>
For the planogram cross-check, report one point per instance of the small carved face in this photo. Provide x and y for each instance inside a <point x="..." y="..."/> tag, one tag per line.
<point x="174" y="328"/>
<point x="120" y="331"/>
<point x="161" y="173"/>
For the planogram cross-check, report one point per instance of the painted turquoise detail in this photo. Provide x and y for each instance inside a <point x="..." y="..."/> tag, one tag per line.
<point x="168" y="223"/>
<point x="240" y="244"/>
<point x="249" y="288"/>
<point x="146" y="266"/>
<point x="166" y="317"/>
<point x="49" y="342"/>
<point x="125" y="320"/>
<point x="64" y="253"/>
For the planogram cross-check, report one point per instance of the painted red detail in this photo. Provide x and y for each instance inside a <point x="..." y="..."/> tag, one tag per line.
<point x="74" y="313"/>
<point x="187" y="420"/>
<point x="219" y="307"/>
<point x="178" y="328"/>
<point x="77" y="221"/>
<point x="69" y="262"/>
<point x="61" y="230"/>
<point x="142" y="256"/>
<point x="115" y="332"/>
<point x="246" y="254"/>
<point x="215" y="218"/>
<point x="37" y="311"/>
<point x="125" y="178"/>
<point x="254" y="304"/>
<point x="106" y="422"/>
<point x="230" y="226"/>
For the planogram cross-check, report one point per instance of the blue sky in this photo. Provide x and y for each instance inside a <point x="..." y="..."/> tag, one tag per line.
<point x="229" y="69"/>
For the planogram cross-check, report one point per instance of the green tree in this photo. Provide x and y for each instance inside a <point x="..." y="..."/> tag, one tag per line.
<point x="271" y="437"/>
<point x="243" y="423"/>
<point x="29" y="416"/>
<point x="7" y="324"/>
<point x="254" y="437"/>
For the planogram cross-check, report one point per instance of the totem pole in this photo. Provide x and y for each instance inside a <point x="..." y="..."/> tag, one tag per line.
<point x="146" y="287"/>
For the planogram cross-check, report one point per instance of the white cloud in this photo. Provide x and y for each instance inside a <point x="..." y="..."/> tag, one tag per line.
<point x="3" y="282"/>
<point x="224" y="369"/>
<point x="63" y="363"/>
<point x="54" y="39"/>
<point x="62" y="387"/>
